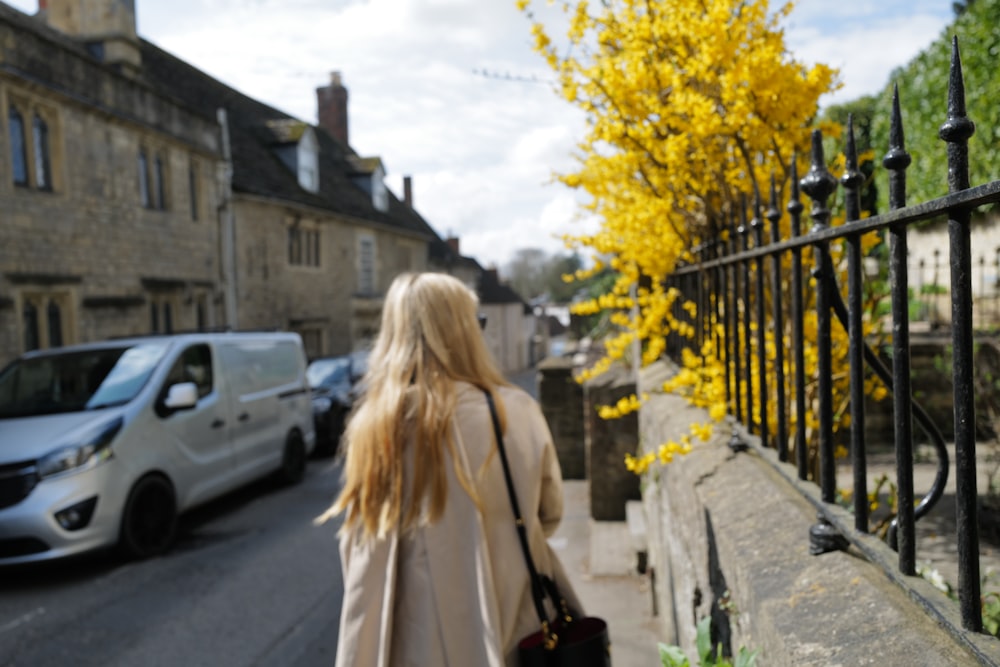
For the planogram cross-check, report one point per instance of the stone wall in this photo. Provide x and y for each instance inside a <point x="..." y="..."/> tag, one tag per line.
<point x="607" y="443"/>
<point x="589" y="447"/>
<point x="728" y="537"/>
<point x="561" y="400"/>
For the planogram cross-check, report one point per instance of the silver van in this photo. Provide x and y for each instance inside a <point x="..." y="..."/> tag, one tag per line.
<point x="106" y="443"/>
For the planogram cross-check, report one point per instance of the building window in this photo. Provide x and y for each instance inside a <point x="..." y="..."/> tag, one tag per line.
<point x="303" y="246"/>
<point x="40" y="140"/>
<point x="366" y="264"/>
<point x="153" y="187"/>
<point x="307" y="161"/>
<point x="33" y="136"/>
<point x="161" y="314"/>
<point x="312" y="341"/>
<point x="44" y="320"/>
<point x="158" y="188"/>
<point x="143" y="167"/>
<point x="313" y="246"/>
<point x="54" y="317"/>
<point x="19" y="156"/>
<point x="31" y="338"/>
<point x="294" y="245"/>
<point x="201" y="319"/>
<point x="193" y="188"/>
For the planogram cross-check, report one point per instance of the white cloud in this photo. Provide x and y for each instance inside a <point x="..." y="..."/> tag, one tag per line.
<point x="866" y="41"/>
<point x="480" y="148"/>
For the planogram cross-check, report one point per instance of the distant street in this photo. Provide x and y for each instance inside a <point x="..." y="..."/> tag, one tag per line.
<point x="251" y="581"/>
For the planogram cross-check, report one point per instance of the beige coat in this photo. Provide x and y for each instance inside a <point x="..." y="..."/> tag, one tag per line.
<point x="455" y="593"/>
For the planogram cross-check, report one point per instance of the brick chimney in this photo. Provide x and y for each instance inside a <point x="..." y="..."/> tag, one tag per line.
<point x="408" y="192"/>
<point x="331" y="108"/>
<point x="106" y="26"/>
<point x="452" y="242"/>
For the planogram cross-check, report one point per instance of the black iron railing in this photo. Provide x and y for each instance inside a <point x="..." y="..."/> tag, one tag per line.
<point x="728" y="284"/>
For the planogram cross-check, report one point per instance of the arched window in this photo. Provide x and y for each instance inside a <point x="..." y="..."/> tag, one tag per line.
<point x="18" y="152"/>
<point x="40" y="140"/>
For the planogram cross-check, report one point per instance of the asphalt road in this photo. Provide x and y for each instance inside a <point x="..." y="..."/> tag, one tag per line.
<point x="251" y="581"/>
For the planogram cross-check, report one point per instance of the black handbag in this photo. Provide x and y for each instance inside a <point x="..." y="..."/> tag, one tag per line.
<point x="568" y="640"/>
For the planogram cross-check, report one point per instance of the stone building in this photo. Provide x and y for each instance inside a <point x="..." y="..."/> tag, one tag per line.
<point x="139" y="195"/>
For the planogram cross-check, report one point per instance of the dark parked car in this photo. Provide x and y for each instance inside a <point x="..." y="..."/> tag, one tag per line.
<point x="333" y="381"/>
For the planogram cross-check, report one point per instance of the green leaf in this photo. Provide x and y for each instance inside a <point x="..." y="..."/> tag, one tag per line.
<point x="704" y="641"/>
<point x="673" y="656"/>
<point x="746" y="658"/>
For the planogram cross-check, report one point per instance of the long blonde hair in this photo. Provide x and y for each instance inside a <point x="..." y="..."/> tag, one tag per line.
<point x="429" y="338"/>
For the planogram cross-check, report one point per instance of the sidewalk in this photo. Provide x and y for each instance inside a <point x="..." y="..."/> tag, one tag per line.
<point x="601" y="563"/>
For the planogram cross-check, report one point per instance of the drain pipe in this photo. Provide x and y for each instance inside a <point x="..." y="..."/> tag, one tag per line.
<point x="227" y="241"/>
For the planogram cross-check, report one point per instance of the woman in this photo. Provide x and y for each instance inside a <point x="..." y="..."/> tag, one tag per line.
<point x="434" y="574"/>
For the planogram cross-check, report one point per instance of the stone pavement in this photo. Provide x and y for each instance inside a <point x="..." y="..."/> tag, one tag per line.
<point x="601" y="563"/>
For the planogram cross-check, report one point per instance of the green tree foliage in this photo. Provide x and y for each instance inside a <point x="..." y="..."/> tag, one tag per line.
<point x="923" y="92"/>
<point x="862" y="111"/>
<point x="533" y="272"/>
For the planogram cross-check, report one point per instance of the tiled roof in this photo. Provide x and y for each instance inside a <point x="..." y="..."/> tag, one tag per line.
<point x="255" y="127"/>
<point x="491" y="290"/>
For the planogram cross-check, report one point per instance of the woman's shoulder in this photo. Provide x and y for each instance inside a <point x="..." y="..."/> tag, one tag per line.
<point x="511" y="395"/>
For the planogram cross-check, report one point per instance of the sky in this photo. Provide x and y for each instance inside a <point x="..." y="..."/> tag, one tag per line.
<point x="450" y="92"/>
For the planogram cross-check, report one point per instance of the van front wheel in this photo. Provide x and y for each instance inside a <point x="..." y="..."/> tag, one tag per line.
<point x="293" y="461"/>
<point x="150" y="518"/>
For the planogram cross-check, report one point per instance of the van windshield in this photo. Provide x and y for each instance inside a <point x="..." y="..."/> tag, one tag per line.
<point x="78" y="380"/>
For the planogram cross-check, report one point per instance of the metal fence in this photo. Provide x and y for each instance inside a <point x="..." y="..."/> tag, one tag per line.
<point x="735" y="278"/>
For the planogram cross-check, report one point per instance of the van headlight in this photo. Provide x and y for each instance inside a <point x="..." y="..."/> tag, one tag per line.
<point x="93" y="449"/>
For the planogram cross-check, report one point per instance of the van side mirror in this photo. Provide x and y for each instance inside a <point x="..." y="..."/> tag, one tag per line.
<point x="181" y="396"/>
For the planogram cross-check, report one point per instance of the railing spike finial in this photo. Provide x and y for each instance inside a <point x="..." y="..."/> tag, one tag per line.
<point x="743" y="227"/>
<point x="819" y="184"/>
<point x="773" y="214"/>
<point x="957" y="129"/>
<point x="956" y="85"/>
<point x="852" y="178"/>
<point x="794" y="204"/>
<point x="757" y="221"/>
<point x="897" y="159"/>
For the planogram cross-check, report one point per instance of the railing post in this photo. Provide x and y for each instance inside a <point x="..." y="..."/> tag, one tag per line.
<point x="737" y="393"/>
<point x="744" y="231"/>
<point x="774" y="217"/>
<point x="819" y="184"/>
<point x="798" y="336"/>
<point x="723" y="349"/>
<point x="757" y="224"/>
<point x="896" y="161"/>
<point x="852" y="181"/>
<point x="701" y="313"/>
<point x="956" y="132"/>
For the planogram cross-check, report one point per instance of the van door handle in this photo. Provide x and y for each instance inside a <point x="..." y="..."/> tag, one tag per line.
<point x="244" y="417"/>
<point x="218" y="423"/>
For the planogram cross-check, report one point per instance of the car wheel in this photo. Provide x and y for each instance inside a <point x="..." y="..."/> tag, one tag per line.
<point x="293" y="461"/>
<point x="150" y="518"/>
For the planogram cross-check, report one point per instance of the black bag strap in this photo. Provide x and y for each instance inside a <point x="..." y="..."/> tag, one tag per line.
<point x="540" y="586"/>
